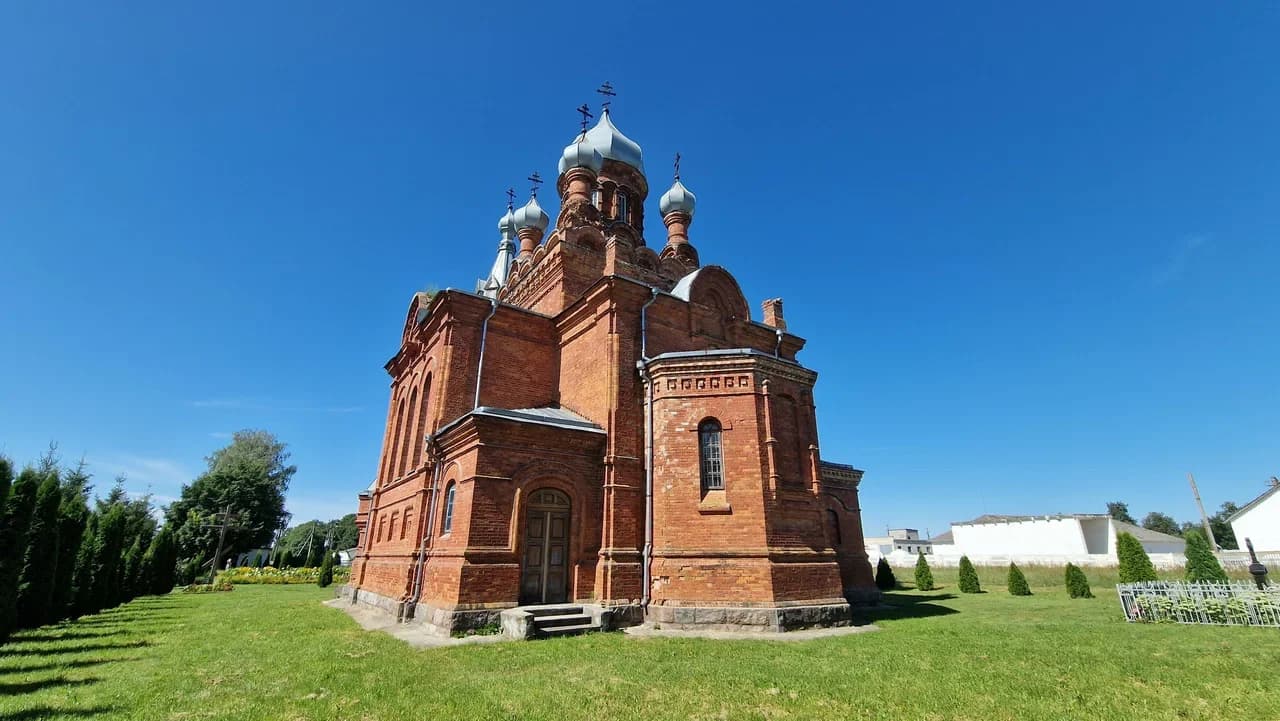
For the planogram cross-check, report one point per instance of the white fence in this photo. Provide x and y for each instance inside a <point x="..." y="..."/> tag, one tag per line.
<point x="1222" y="604"/>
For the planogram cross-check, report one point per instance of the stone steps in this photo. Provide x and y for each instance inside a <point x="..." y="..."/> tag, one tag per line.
<point x="553" y="621"/>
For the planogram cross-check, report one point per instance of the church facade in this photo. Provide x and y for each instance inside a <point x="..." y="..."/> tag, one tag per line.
<point x="603" y="423"/>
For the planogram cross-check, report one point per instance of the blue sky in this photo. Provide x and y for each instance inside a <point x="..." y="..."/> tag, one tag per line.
<point x="1034" y="249"/>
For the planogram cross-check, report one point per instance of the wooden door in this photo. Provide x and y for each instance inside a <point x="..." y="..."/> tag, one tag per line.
<point x="544" y="576"/>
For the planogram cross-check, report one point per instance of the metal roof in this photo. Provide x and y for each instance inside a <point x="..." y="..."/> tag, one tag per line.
<point x="1252" y="504"/>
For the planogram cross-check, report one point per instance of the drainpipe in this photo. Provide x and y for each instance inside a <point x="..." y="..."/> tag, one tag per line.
<point x="484" y="333"/>
<point x="646" y="555"/>
<point x="427" y="528"/>
<point x="777" y="347"/>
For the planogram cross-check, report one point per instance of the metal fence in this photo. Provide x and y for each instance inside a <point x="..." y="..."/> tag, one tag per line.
<point x="1221" y="604"/>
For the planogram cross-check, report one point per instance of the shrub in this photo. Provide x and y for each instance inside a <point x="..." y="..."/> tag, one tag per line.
<point x="217" y="586"/>
<point x="885" y="580"/>
<point x="1202" y="565"/>
<point x="245" y="575"/>
<point x="1017" y="582"/>
<point x="326" y="571"/>
<point x="968" y="577"/>
<point x="1135" y="564"/>
<point x="924" y="575"/>
<point x="1077" y="584"/>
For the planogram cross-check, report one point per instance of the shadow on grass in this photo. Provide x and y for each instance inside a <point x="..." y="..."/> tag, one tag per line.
<point x="6" y="652"/>
<point x="13" y="689"/>
<point x="63" y="665"/>
<point x="899" y="606"/>
<point x="54" y="634"/>
<point x="52" y="712"/>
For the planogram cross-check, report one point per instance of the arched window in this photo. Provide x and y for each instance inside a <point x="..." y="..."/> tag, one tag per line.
<point x="382" y="526"/>
<point x="395" y="442"/>
<point x="834" y="519"/>
<point x="595" y="198"/>
<point x="622" y="205"/>
<point x="447" y="526"/>
<point x="391" y="530"/>
<point x="407" y="430"/>
<point x="420" y="435"/>
<point x="710" y="455"/>
<point x="408" y="521"/>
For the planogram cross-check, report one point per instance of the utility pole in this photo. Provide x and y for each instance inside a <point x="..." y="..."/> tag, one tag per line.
<point x="222" y="527"/>
<point x="1208" y="529"/>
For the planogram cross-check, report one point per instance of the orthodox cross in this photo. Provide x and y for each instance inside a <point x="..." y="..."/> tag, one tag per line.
<point x="607" y="91"/>
<point x="511" y="199"/>
<point x="677" y="164"/>
<point x="536" y="180"/>
<point x="586" y="115"/>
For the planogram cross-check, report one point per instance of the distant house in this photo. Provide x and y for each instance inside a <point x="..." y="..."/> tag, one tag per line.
<point x="904" y="540"/>
<point x="1259" y="520"/>
<point x="1080" y="538"/>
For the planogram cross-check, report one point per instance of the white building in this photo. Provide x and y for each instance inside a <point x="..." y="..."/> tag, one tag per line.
<point x="1081" y="538"/>
<point x="1259" y="520"/>
<point x="903" y="540"/>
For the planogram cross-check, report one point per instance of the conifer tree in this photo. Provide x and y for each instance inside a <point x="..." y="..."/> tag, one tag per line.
<point x="326" y="571"/>
<point x="1135" y="564"/>
<point x="1202" y="565"/>
<point x="885" y="580"/>
<point x="107" y="558"/>
<point x="1017" y="582"/>
<point x="39" y="567"/>
<point x="1077" y="583"/>
<point x="968" y="577"/>
<point x="6" y="481"/>
<point x="73" y="515"/>
<point x="285" y="560"/>
<point x="82" y="598"/>
<point x="13" y="536"/>
<point x="131" y="571"/>
<point x="160" y="562"/>
<point x="924" y="575"/>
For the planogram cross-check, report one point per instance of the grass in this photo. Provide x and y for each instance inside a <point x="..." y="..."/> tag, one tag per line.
<point x="273" y="652"/>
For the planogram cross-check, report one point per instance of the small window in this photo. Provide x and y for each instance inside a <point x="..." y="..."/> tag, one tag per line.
<point x="622" y="206"/>
<point x="404" y="524"/>
<point x="710" y="455"/>
<point x="595" y="198"/>
<point x="834" y="519"/>
<point x="382" y="526"/>
<point x="391" y="532"/>
<point x="448" y="508"/>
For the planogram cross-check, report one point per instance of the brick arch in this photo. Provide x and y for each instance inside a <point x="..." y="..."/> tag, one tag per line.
<point x="714" y="287"/>
<point x="577" y="519"/>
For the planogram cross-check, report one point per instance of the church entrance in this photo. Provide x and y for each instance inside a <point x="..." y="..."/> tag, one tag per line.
<point x="544" y="569"/>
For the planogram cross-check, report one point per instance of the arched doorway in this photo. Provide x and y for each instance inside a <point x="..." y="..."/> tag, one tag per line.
<point x="544" y="568"/>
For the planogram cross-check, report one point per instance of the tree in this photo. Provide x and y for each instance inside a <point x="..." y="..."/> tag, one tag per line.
<point x="82" y="598"/>
<point x="160" y="562"/>
<point x="1161" y="523"/>
<point x="108" y="558"/>
<point x="251" y="477"/>
<point x="1223" y="532"/>
<point x="73" y="515"/>
<point x="285" y="560"/>
<point x="968" y="577"/>
<point x="6" y="481"/>
<point x="924" y="575"/>
<point x="885" y="580"/>
<point x="326" y="571"/>
<point x="1135" y="564"/>
<point x="39" y="567"/>
<point x="1120" y="511"/>
<point x="13" y="535"/>
<point x="131" y="571"/>
<point x="1017" y="582"/>
<point x="1077" y="583"/>
<point x="1202" y="565"/>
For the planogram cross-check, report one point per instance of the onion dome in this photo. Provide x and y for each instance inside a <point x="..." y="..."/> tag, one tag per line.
<point x="678" y="198"/>
<point x="507" y="224"/>
<point x="532" y="216"/>
<point x="581" y="154"/>
<point x="612" y="144"/>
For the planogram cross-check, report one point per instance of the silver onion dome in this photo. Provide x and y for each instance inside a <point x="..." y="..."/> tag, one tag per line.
<point x="507" y="224"/>
<point x="613" y="145"/>
<point x="581" y="154"/>
<point x="677" y="198"/>
<point x="531" y="215"/>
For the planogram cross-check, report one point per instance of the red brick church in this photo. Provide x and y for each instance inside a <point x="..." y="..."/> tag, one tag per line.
<point x="602" y="424"/>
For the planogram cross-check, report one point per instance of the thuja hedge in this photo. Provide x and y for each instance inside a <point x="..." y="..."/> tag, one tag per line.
<point x="268" y="575"/>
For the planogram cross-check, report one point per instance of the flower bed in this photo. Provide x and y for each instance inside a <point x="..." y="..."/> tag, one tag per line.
<point x="280" y="576"/>
<point x="1222" y="604"/>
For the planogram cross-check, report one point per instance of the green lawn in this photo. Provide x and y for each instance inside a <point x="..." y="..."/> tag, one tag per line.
<point x="274" y="652"/>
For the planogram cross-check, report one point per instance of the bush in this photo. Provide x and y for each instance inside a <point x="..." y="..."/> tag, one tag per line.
<point x="885" y="580"/>
<point x="968" y="577"/>
<point x="270" y="576"/>
<point x="924" y="575"/>
<point x="1202" y="565"/>
<point x="1017" y="582"/>
<point x="1077" y="584"/>
<point x="326" y="571"/>
<point x="1135" y="564"/>
<point x="217" y="586"/>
